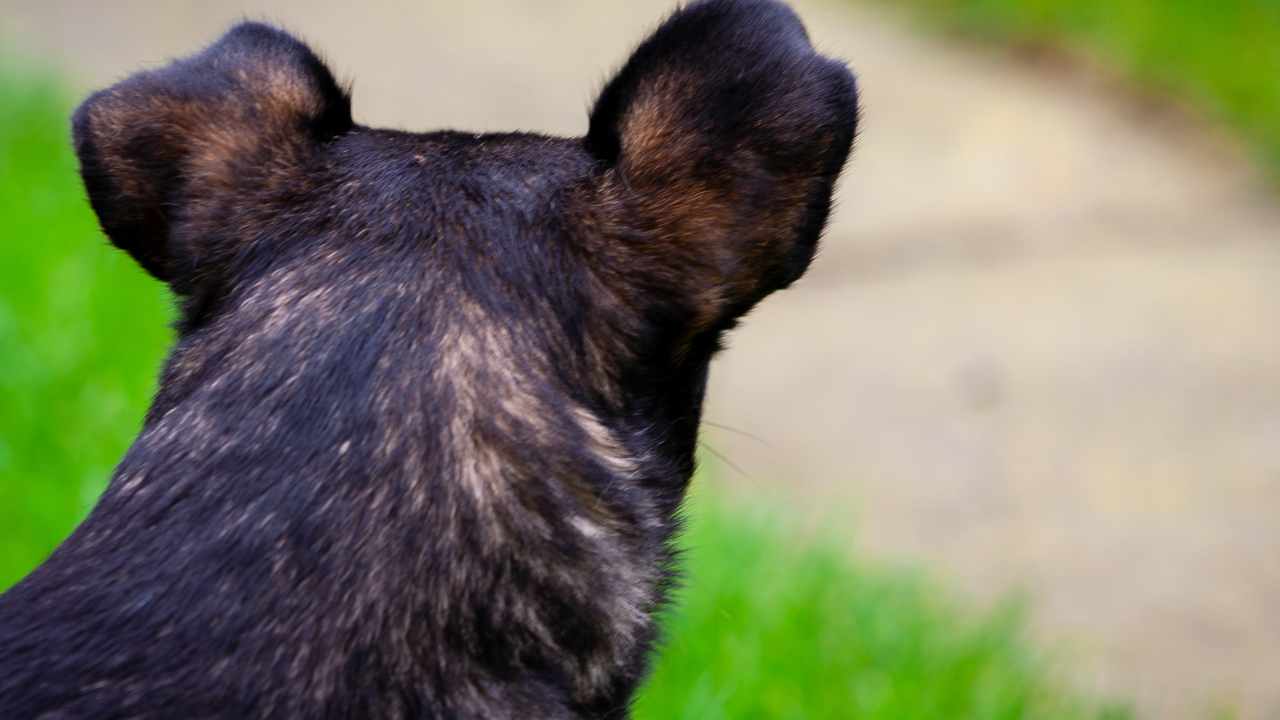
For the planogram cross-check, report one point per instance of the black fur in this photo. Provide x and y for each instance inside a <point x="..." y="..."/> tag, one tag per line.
<point x="419" y="449"/>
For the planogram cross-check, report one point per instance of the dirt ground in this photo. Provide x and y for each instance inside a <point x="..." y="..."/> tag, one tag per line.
<point x="1039" y="349"/>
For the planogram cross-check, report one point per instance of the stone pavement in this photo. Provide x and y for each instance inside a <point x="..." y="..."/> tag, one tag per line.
<point x="1039" y="350"/>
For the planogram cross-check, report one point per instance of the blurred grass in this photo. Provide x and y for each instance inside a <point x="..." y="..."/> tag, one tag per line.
<point x="772" y="627"/>
<point x="767" y="629"/>
<point x="1222" y="57"/>
<point x="82" y="331"/>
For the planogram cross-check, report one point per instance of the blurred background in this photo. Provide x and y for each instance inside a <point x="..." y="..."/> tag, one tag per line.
<point x="1038" y="357"/>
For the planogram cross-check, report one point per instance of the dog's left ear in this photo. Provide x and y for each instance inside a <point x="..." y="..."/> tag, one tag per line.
<point x="726" y="131"/>
<point x="165" y="152"/>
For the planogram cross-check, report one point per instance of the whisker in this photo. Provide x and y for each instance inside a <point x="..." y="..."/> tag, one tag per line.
<point x="743" y="433"/>
<point x="721" y="457"/>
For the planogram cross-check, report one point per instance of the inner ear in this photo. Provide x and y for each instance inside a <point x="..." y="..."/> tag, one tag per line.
<point x="174" y="146"/>
<point x="726" y="131"/>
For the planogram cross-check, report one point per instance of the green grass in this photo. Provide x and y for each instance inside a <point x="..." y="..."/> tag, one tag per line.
<point x="774" y="628"/>
<point x="767" y="629"/>
<point x="1222" y="56"/>
<point x="82" y="332"/>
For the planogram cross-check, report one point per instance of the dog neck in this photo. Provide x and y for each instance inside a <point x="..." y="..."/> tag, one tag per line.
<point x="476" y="538"/>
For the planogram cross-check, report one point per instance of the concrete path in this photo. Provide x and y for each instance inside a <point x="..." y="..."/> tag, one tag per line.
<point x="1039" y="350"/>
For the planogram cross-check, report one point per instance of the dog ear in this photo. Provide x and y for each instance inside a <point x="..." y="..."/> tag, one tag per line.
<point x="164" y="150"/>
<point x="727" y="131"/>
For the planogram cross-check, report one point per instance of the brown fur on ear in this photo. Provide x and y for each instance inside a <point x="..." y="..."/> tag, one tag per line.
<point x="724" y="135"/>
<point x="163" y="146"/>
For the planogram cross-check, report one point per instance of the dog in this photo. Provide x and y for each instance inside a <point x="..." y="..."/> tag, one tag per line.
<point x="421" y="443"/>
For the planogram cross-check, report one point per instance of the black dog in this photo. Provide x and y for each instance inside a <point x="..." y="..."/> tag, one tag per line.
<point x="419" y="449"/>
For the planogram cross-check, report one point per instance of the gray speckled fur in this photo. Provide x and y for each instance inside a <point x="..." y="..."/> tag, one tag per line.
<point x="420" y="446"/>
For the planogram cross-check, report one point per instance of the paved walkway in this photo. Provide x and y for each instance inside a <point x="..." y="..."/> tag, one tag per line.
<point x="1039" y="349"/>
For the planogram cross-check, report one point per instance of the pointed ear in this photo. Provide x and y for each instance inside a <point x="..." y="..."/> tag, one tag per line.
<point x="165" y="150"/>
<point x="728" y="131"/>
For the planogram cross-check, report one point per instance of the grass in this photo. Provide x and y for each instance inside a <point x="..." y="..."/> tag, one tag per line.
<point x="767" y="629"/>
<point x="775" y="628"/>
<point x="1221" y="57"/>
<point x="82" y="332"/>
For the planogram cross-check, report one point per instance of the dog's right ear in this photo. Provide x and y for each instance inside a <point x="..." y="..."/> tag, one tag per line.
<point x="725" y="132"/>
<point x="165" y="153"/>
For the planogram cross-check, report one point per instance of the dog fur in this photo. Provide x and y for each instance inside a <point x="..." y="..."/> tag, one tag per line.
<point x="419" y="449"/>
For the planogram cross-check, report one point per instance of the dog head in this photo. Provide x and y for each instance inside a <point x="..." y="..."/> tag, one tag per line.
<point x="506" y="266"/>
